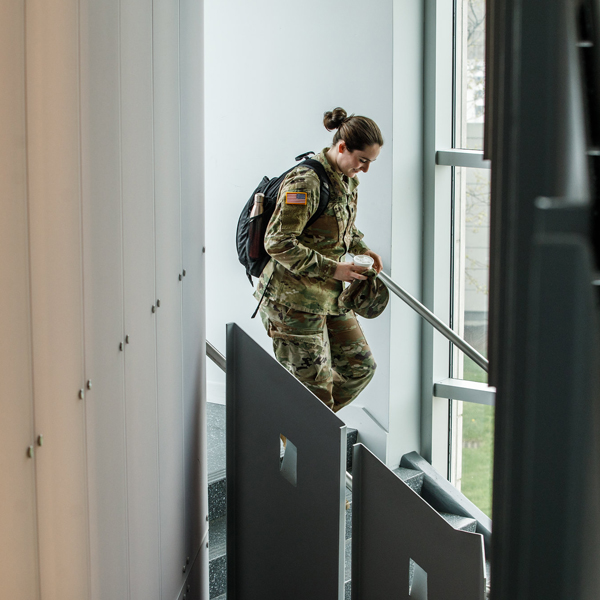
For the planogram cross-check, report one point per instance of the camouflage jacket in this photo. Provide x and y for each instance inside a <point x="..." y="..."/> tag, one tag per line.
<point x="300" y="274"/>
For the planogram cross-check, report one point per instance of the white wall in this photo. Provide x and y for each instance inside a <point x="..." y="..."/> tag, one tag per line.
<point x="407" y="228"/>
<point x="273" y="67"/>
<point x="101" y="439"/>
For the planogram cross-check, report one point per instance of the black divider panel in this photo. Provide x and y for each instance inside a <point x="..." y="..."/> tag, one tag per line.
<point x="392" y="524"/>
<point x="283" y="540"/>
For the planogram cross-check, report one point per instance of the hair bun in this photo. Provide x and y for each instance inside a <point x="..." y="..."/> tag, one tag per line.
<point x="334" y="119"/>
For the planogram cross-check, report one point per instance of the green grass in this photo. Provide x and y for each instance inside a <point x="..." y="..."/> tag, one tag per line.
<point x="474" y="372"/>
<point x="478" y="446"/>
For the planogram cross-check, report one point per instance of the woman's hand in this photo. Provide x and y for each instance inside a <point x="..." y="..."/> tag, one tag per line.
<point x="378" y="264"/>
<point x="346" y="271"/>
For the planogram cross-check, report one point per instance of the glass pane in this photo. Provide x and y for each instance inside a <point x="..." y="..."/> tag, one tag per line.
<point x="472" y="424"/>
<point x="469" y="74"/>
<point x="474" y="452"/>
<point x="471" y="266"/>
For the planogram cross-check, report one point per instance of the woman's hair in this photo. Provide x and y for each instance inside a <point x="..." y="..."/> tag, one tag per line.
<point x="358" y="132"/>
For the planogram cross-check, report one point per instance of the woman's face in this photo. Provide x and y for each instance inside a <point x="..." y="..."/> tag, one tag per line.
<point x="351" y="163"/>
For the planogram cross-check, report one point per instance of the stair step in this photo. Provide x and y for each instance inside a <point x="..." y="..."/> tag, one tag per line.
<point x="217" y="576"/>
<point x="217" y="538"/>
<point x="215" y="417"/>
<point x="217" y="557"/>
<point x="348" y="513"/>
<point x="348" y="570"/>
<point x="217" y="495"/>
<point x="461" y="523"/>
<point x="439" y="493"/>
<point x="412" y="478"/>
<point x="352" y="437"/>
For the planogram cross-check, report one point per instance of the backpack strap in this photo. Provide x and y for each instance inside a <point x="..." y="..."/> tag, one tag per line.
<point x="305" y="155"/>
<point x="262" y="296"/>
<point x="319" y="169"/>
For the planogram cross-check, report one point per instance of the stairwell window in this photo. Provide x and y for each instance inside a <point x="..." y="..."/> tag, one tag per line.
<point x="472" y="425"/>
<point x="471" y="263"/>
<point x="469" y="73"/>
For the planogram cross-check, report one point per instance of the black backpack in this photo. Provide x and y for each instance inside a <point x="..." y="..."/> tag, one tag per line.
<point x="270" y="188"/>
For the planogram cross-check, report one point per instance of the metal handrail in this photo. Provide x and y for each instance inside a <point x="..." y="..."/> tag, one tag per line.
<point x="419" y="308"/>
<point x="216" y="357"/>
<point x="424" y="312"/>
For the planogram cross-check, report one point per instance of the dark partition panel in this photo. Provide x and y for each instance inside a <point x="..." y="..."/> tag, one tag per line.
<point x="544" y="323"/>
<point x="285" y="517"/>
<point x="392" y="524"/>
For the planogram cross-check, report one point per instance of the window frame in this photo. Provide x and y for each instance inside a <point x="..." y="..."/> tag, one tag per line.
<point x="439" y="388"/>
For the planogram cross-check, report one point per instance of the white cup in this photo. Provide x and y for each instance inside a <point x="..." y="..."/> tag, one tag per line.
<point x="362" y="260"/>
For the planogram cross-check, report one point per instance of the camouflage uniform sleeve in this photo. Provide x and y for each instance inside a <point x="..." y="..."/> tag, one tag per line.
<point x="357" y="246"/>
<point x="288" y="222"/>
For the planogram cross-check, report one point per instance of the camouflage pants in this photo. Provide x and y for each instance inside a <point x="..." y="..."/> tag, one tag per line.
<point x="327" y="353"/>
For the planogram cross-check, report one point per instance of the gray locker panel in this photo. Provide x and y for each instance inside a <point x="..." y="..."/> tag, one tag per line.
<point x="192" y="207"/>
<point x="139" y="296"/>
<point x="192" y="588"/>
<point x="18" y="536"/>
<point x="285" y="522"/>
<point x="103" y="297"/>
<point x="52" y="50"/>
<point x="168" y="291"/>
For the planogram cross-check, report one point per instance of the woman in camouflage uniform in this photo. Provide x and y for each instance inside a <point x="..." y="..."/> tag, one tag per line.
<point x="320" y="344"/>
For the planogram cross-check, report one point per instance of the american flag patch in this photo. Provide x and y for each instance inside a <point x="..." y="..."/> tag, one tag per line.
<point x="295" y="198"/>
